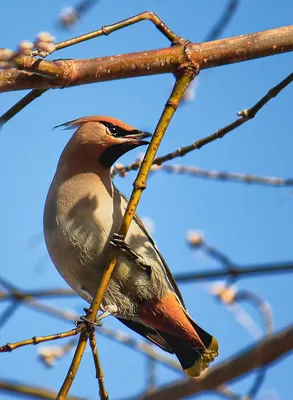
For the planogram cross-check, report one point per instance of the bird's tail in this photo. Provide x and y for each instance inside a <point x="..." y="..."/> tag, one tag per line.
<point x="193" y="359"/>
<point x="194" y="347"/>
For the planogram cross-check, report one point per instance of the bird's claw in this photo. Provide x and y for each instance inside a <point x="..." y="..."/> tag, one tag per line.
<point x="120" y="243"/>
<point x="84" y="319"/>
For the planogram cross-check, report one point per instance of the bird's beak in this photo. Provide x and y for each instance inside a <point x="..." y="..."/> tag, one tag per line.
<point x="136" y="137"/>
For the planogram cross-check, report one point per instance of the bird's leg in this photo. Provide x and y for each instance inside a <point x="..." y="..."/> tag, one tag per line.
<point x="120" y="243"/>
<point x="98" y="319"/>
<point x="101" y="316"/>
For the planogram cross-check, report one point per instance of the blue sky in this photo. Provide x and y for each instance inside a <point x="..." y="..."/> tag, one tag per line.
<point x="252" y="224"/>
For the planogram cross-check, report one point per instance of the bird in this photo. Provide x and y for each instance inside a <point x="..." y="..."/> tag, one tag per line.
<point x="82" y="215"/>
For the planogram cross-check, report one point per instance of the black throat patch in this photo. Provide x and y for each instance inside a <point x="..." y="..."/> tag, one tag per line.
<point x="111" y="154"/>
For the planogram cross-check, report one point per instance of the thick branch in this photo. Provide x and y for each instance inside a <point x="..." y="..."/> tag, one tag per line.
<point x="207" y="55"/>
<point x="262" y="354"/>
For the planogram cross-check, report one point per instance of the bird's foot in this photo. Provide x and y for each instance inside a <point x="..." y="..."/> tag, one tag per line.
<point x="97" y="322"/>
<point x="120" y="243"/>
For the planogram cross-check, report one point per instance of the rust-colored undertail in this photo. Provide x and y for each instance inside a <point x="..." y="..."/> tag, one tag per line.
<point x="194" y="347"/>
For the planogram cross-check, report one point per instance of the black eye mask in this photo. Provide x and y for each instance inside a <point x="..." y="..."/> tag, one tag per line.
<point x="117" y="131"/>
<point x="112" y="153"/>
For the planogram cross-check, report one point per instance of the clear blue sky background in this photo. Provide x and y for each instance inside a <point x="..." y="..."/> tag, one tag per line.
<point x="252" y="224"/>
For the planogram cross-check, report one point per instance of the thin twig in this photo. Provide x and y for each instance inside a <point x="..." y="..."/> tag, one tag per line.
<point x="39" y="339"/>
<point x="21" y="104"/>
<point x="229" y="296"/>
<point x="219" y="175"/>
<point x="39" y="293"/>
<point x="236" y="272"/>
<point x="151" y="374"/>
<point x="99" y="372"/>
<point x="245" y="115"/>
<point x="8" y="312"/>
<point x="107" y="29"/>
<point x="223" y="21"/>
<point x="261" y="305"/>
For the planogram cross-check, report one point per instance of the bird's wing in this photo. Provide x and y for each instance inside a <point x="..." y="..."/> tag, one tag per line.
<point x="148" y="333"/>
<point x="167" y="269"/>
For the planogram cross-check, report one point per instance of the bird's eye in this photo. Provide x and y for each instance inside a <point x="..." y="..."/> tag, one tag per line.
<point x="112" y="129"/>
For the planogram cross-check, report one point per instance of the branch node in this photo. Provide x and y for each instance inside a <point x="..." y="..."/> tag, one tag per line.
<point x="172" y="104"/>
<point x="105" y="30"/>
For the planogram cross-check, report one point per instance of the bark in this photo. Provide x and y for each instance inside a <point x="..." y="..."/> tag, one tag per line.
<point x="35" y="73"/>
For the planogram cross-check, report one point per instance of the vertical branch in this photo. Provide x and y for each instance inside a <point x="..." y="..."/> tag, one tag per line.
<point x="186" y="76"/>
<point x="99" y="372"/>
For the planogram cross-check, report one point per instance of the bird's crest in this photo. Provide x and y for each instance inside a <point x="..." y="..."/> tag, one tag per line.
<point x="95" y="118"/>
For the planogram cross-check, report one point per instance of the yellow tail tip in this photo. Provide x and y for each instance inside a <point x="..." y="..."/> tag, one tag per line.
<point x="204" y="360"/>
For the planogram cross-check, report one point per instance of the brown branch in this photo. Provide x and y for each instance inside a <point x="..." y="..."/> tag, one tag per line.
<point x="99" y="372"/>
<point x="39" y="339"/>
<point x="206" y="55"/>
<point x="262" y="354"/>
<point x="54" y="72"/>
<point x="31" y="392"/>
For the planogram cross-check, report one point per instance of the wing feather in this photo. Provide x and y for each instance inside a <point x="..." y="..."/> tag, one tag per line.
<point x="167" y="269"/>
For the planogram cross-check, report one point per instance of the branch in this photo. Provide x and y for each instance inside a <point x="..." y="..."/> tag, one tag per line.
<point x="223" y="176"/>
<point x="223" y="21"/>
<point x="99" y="372"/>
<point x="39" y="339"/>
<point x="260" y="355"/>
<point x="38" y="293"/>
<point x="245" y="115"/>
<point x="21" y="104"/>
<point x="187" y="73"/>
<point x="207" y="55"/>
<point x="32" y="392"/>
<point x="237" y="272"/>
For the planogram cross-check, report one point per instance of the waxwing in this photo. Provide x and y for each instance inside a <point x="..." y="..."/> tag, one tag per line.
<point x="83" y="211"/>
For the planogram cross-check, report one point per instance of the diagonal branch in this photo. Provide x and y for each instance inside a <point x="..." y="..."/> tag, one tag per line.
<point x="223" y="21"/>
<point x="187" y="73"/>
<point x="21" y="104"/>
<point x="262" y="354"/>
<point x="245" y="115"/>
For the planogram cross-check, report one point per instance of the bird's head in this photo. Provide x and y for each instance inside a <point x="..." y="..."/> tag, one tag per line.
<point x="104" y="138"/>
